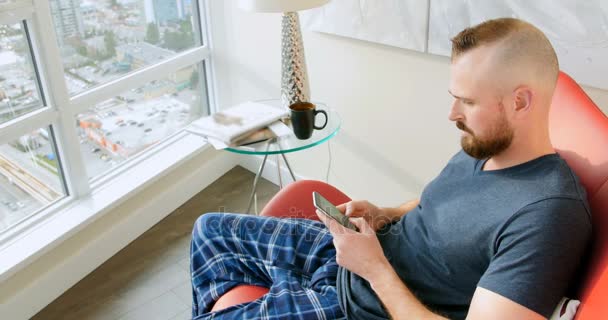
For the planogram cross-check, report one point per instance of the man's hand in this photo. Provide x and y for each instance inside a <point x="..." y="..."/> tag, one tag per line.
<point x="374" y="216"/>
<point x="359" y="252"/>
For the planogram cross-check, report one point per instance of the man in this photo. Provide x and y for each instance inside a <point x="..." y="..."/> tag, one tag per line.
<point x="497" y="235"/>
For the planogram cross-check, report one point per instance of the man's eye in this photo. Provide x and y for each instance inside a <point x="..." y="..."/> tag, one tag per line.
<point x="467" y="102"/>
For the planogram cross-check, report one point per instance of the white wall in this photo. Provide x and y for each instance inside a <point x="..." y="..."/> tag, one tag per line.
<point x="600" y="97"/>
<point x="394" y="104"/>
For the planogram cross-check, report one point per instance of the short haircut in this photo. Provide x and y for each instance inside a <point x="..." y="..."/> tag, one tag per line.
<point x="520" y="42"/>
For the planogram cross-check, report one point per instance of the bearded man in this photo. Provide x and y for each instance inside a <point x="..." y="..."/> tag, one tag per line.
<point x="497" y="235"/>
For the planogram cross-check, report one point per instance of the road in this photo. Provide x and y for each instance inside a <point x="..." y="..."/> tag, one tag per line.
<point x="27" y="182"/>
<point x="11" y="194"/>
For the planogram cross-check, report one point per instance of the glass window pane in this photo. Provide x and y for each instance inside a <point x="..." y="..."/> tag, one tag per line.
<point x="122" y="127"/>
<point x="18" y="83"/>
<point x="30" y="177"/>
<point x="12" y="4"/>
<point x="101" y="40"/>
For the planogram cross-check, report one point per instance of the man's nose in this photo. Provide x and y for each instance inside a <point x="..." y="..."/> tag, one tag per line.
<point x="455" y="113"/>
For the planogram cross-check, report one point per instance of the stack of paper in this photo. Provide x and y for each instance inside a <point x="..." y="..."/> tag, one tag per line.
<point x="242" y="124"/>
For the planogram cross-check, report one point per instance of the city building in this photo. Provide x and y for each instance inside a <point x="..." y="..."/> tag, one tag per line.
<point x="95" y="46"/>
<point x="163" y="11"/>
<point x="137" y="55"/>
<point x="68" y="20"/>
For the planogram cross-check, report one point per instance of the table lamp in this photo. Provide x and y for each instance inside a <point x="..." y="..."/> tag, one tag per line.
<point x="294" y="77"/>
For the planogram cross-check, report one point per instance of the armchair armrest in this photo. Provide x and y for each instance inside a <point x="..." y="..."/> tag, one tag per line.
<point x="295" y="200"/>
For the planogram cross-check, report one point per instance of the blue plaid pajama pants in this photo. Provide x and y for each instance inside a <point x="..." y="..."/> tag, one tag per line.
<point x="295" y="258"/>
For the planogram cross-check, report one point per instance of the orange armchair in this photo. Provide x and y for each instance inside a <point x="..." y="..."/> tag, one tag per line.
<point x="579" y="133"/>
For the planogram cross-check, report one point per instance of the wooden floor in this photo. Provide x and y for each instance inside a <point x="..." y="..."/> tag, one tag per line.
<point x="149" y="279"/>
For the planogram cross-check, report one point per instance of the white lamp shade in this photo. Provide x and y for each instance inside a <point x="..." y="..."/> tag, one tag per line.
<point x="279" y="5"/>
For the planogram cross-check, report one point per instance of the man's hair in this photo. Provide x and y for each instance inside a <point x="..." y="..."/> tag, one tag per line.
<point x="519" y="41"/>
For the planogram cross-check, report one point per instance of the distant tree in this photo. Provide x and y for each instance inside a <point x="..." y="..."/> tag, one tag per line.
<point x="152" y="34"/>
<point x="194" y="79"/>
<point x="185" y="26"/>
<point x="110" y="41"/>
<point x="178" y="40"/>
<point x="169" y="39"/>
<point x="82" y="50"/>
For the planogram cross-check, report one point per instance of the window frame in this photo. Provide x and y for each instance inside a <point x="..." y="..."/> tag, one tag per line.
<point x="60" y="109"/>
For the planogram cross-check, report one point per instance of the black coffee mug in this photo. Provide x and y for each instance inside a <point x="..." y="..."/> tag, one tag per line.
<point x="303" y="119"/>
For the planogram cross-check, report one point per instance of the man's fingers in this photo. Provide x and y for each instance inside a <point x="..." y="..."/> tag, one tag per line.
<point x="350" y="208"/>
<point x="329" y="222"/>
<point x="321" y="216"/>
<point x="347" y="208"/>
<point x="334" y="226"/>
<point x="363" y="226"/>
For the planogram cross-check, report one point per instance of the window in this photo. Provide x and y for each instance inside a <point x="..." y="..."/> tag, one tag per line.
<point x="30" y="177"/>
<point x="102" y="40"/>
<point x="19" y="93"/>
<point x="121" y="127"/>
<point x="93" y="84"/>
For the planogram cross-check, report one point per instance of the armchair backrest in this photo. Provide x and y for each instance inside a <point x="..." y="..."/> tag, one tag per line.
<point x="579" y="133"/>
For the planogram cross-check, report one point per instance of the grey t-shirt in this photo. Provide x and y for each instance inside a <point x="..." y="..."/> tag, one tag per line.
<point x="519" y="232"/>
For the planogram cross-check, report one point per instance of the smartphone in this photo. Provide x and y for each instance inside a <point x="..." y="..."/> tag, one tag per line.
<point x="331" y="211"/>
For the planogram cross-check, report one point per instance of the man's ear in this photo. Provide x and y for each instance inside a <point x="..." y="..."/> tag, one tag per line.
<point x="523" y="98"/>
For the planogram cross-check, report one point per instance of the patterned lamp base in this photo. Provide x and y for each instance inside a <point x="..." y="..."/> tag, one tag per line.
<point x="294" y="78"/>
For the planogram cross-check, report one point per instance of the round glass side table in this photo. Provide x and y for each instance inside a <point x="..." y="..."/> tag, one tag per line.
<point x="288" y="143"/>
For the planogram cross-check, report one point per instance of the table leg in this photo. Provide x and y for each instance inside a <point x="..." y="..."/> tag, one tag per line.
<point x="288" y="167"/>
<point x="286" y="162"/>
<point x="279" y="172"/>
<point x="256" y="180"/>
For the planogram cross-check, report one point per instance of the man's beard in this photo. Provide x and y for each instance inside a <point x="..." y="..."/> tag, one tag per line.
<point x="501" y="136"/>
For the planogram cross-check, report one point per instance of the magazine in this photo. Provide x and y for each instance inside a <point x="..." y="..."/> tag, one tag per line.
<point x="237" y="123"/>
<point x="255" y="137"/>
